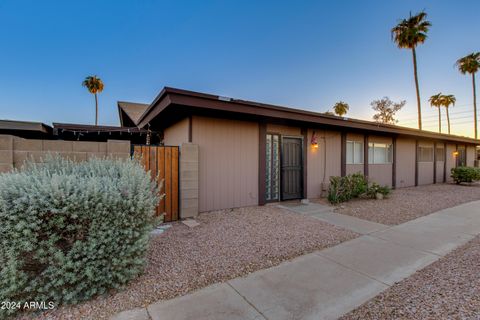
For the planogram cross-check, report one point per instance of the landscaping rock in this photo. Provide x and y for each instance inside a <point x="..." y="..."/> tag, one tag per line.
<point x="226" y="244"/>
<point x="406" y="204"/>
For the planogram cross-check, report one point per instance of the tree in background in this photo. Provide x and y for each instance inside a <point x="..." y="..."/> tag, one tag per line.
<point x="437" y="101"/>
<point x="386" y="110"/>
<point x="447" y="101"/>
<point x="408" y="34"/>
<point x="471" y="64"/>
<point x="341" y="108"/>
<point x="94" y="86"/>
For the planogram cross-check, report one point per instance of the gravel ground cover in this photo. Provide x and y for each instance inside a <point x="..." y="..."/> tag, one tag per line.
<point x="410" y="203"/>
<point x="226" y="244"/>
<point x="447" y="289"/>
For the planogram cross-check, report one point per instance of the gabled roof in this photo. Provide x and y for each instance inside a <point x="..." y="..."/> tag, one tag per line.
<point x="130" y="112"/>
<point x="171" y="101"/>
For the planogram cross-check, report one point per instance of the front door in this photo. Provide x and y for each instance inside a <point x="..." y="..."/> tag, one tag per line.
<point x="292" y="168"/>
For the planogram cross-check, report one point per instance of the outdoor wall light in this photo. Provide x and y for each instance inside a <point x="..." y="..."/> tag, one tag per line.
<point x="455" y="153"/>
<point x="314" y="140"/>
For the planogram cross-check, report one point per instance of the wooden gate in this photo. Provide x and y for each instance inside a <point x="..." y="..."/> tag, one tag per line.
<point x="162" y="162"/>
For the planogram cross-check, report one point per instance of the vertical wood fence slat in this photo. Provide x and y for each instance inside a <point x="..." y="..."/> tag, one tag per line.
<point x="168" y="182"/>
<point x="162" y="162"/>
<point x="161" y="168"/>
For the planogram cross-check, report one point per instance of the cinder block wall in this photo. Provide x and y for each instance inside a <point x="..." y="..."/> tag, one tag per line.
<point x="14" y="150"/>
<point x="189" y="161"/>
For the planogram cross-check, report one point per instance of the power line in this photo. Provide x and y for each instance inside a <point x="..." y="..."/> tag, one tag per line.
<point x="436" y="120"/>
<point x="436" y="115"/>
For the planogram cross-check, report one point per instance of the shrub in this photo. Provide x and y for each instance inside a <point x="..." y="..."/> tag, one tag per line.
<point x="375" y="188"/>
<point x="345" y="188"/>
<point x="342" y="189"/>
<point x="70" y="231"/>
<point x="465" y="174"/>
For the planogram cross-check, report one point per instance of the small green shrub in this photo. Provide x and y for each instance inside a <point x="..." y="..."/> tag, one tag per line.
<point x="375" y="188"/>
<point x="345" y="188"/>
<point x="70" y="231"/>
<point x="342" y="189"/>
<point x="465" y="174"/>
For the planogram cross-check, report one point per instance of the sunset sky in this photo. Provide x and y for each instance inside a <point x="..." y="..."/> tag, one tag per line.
<point x="303" y="54"/>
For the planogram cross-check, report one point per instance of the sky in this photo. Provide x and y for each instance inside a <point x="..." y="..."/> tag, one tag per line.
<point x="302" y="54"/>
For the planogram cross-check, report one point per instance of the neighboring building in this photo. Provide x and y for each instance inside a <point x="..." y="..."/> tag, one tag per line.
<point x="25" y="129"/>
<point x="252" y="153"/>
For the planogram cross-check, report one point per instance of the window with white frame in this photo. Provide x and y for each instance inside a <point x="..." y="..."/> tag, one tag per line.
<point x="380" y="153"/>
<point x="354" y="152"/>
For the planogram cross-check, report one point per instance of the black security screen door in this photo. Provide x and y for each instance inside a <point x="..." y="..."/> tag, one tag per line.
<point x="292" y="172"/>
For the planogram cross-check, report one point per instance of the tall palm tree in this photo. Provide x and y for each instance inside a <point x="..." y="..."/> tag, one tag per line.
<point x="436" y="101"/>
<point x="94" y="86"/>
<point x="447" y="101"/>
<point x="341" y="108"/>
<point x="471" y="64"/>
<point x="408" y="34"/>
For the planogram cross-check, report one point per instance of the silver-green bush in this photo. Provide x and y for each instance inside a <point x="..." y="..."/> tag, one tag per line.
<point x="69" y="231"/>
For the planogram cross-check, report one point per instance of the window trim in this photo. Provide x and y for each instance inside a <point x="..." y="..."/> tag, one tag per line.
<point x="355" y="142"/>
<point x="433" y="154"/>
<point x="389" y="155"/>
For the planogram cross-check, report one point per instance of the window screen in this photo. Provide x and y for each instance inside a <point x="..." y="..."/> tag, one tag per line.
<point x="354" y="152"/>
<point x="380" y="153"/>
<point x="425" y="154"/>
<point x="440" y="154"/>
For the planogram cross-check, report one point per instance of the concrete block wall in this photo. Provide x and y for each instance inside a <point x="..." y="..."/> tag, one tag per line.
<point x="189" y="168"/>
<point x="14" y="150"/>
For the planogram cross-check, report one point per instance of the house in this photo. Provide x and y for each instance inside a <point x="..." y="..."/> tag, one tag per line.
<point x="252" y="153"/>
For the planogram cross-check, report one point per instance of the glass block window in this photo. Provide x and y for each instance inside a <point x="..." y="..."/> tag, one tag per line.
<point x="354" y="152"/>
<point x="380" y="153"/>
<point x="272" y="167"/>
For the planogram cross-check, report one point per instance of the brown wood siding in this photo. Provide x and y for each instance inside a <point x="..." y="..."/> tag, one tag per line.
<point x="178" y="133"/>
<point x="425" y="168"/>
<point x="405" y="163"/>
<point x="317" y="160"/>
<point x="450" y="160"/>
<point x="343" y="154"/>
<point x="471" y="155"/>
<point x="228" y="162"/>
<point x="380" y="173"/>
<point x="439" y="171"/>
<point x="162" y="162"/>
<point x="262" y="176"/>
<point x="354" y="168"/>
<point x="284" y="130"/>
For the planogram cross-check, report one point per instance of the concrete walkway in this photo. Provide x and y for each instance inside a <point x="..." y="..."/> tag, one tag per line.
<point x="325" y="213"/>
<point x="331" y="282"/>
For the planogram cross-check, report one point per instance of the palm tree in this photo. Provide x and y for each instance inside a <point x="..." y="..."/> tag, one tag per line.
<point x="94" y="86"/>
<point x="437" y="101"/>
<point x="471" y="64"/>
<point x="408" y="34"/>
<point x="341" y="108"/>
<point x="447" y="101"/>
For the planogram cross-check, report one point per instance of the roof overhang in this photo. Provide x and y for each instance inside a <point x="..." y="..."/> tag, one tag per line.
<point x="192" y="102"/>
<point x="24" y="127"/>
